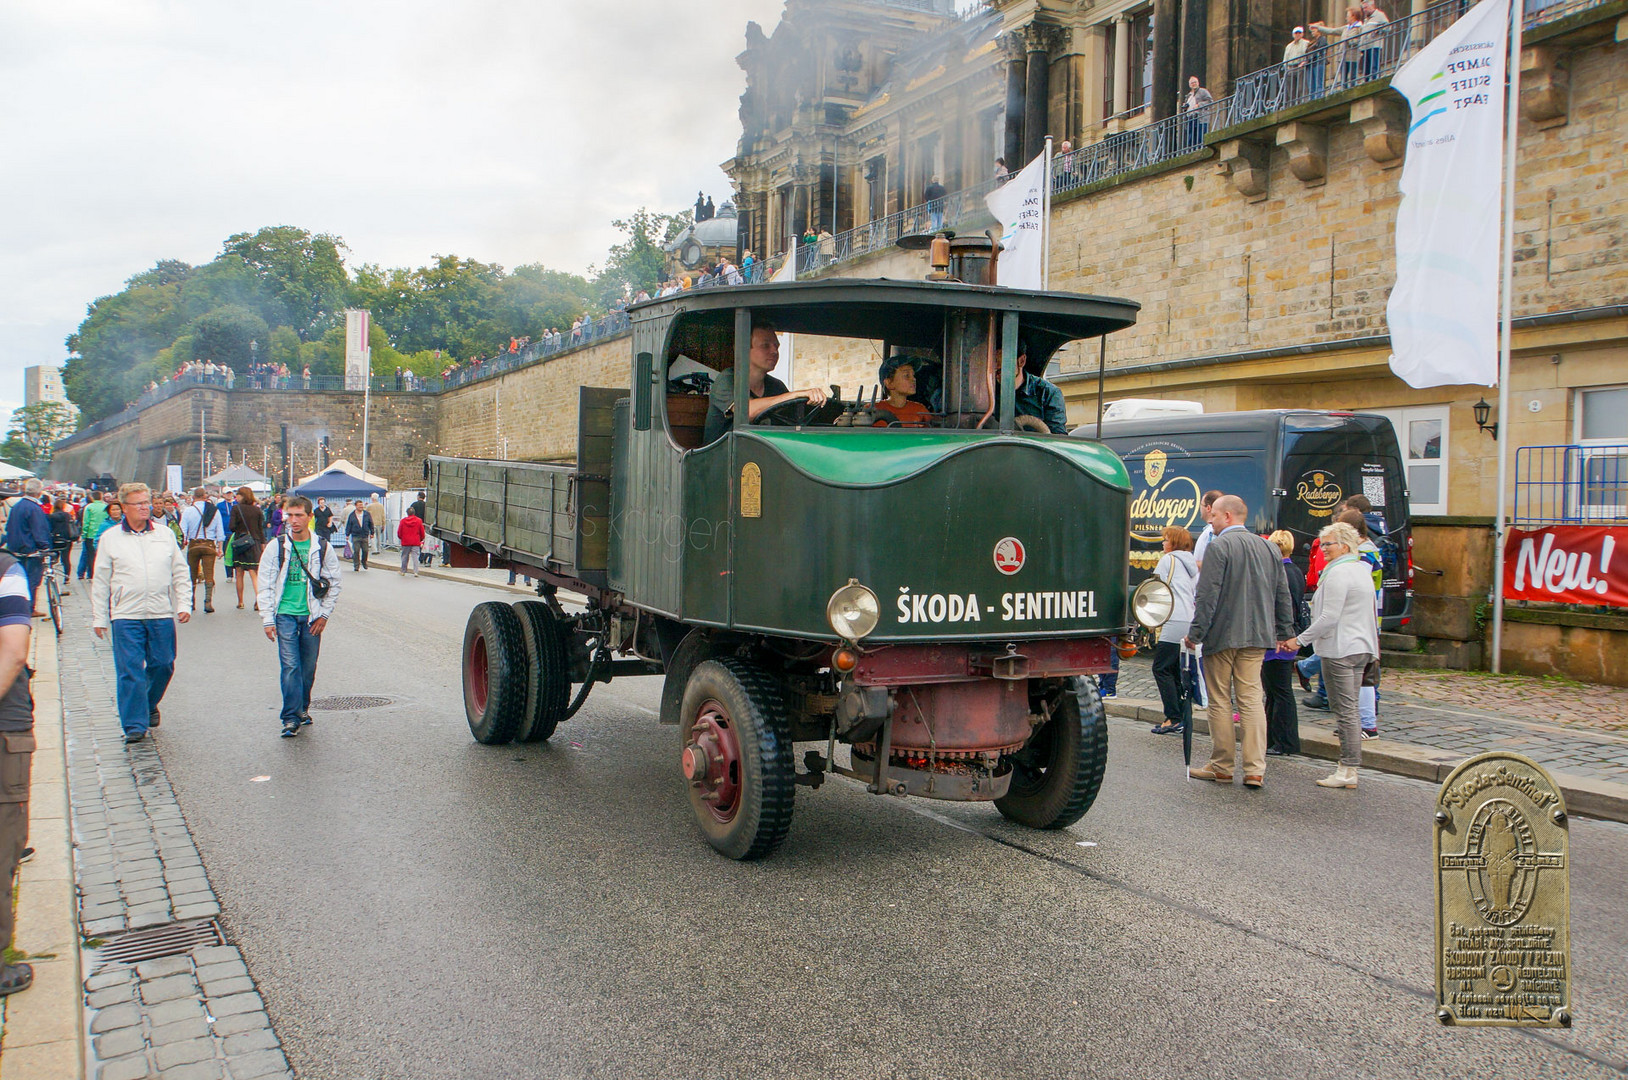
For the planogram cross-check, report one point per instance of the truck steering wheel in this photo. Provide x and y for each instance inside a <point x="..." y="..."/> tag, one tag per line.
<point x="797" y="413"/>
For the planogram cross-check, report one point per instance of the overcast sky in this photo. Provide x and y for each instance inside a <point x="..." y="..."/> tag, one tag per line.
<point x="511" y="131"/>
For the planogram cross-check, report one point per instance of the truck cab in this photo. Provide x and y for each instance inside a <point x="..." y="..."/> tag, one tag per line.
<point x="932" y="598"/>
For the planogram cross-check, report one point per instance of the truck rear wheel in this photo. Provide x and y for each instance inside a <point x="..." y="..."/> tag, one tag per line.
<point x="737" y="758"/>
<point x="494" y="673"/>
<point x="1056" y="775"/>
<point x="548" y="673"/>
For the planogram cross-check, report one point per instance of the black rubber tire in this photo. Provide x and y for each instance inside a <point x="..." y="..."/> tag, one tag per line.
<point x="755" y="706"/>
<point x="548" y="671"/>
<point x="495" y="709"/>
<point x="1056" y="776"/>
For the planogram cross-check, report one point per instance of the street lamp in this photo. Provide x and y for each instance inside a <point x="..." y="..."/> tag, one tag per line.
<point x="1482" y="412"/>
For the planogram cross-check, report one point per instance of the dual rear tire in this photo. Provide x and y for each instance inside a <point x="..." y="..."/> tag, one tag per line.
<point x="516" y="672"/>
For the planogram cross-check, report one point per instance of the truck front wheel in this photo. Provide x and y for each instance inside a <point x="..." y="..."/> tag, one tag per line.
<point x="1056" y="775"/>
<point x="494" y="673"/>
<point x="736" y="758"/>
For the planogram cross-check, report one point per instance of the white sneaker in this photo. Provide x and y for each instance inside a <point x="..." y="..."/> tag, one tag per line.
<point x="1344" y="776"/>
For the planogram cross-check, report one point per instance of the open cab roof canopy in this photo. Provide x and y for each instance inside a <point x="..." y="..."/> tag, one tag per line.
<point x="908" y="314"/>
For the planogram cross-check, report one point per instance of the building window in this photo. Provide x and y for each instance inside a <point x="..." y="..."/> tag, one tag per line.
<point x="876" y="186"/>
<point x="1141" y="66"/>
<point x="1422" y="433"/>
<point x="1108" y="44"/>
<point x="1602" y="434"/>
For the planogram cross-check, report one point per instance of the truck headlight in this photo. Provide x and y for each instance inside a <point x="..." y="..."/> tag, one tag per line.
<point x="1152" y="603"/>
<point x="853" y="611"/>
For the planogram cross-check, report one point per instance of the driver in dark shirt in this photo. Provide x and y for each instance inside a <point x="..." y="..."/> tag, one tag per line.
<point x="1039" y="398"/>
<point x="764" y="389"/>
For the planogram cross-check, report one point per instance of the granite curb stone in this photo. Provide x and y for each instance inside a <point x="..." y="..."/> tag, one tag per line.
<point x="186" y="1016"/>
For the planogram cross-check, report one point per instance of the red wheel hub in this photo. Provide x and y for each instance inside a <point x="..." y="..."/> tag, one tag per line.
<point x="712" y="761"/>
<point x="476" y="672"/>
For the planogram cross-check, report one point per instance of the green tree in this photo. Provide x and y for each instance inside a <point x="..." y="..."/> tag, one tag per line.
<point x="302" y="273"/>
<point x="40" y="425"/>
<point x="638" y="261"/>
<point x="14" y="451"/>
<point x="229" y="335"/>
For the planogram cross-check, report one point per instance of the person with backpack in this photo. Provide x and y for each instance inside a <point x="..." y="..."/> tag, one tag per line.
<point x="204" y="538"/>
<point x="1355" y="516"/>
<point x="299" y="586"/>
<point x="1282" y="719"/>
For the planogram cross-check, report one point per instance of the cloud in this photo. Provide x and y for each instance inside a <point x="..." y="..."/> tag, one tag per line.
<point x="511" y="131"/>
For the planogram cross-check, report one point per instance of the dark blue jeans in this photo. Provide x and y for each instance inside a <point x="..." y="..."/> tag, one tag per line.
<point x="87" y="558"/>
<point x="144" y="660"/>
<point x="34" y="567"/>
<point x="297" y="650"/>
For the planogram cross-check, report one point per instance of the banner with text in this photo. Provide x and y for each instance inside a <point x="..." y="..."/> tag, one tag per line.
<point x="1443" y="311"/>
<point x="1567" y="564"/>
<point x="1019" y="206"/>
<point x="357" y="360"/>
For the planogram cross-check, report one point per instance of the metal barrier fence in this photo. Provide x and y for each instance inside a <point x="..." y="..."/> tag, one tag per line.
<point x="593" y="330"/>
<point x="1577" y="484"/>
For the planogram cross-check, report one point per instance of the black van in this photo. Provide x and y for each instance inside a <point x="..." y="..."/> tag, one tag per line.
<point x="1291" y="467"/>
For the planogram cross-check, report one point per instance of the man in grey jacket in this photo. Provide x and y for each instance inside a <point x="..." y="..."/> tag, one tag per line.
<point x="1242" y="609"/>
<point x="299" y="586"/>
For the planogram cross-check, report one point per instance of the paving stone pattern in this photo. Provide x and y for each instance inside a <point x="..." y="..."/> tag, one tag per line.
<point x="1470" y="713"/>
<point x="194" y="1016"/>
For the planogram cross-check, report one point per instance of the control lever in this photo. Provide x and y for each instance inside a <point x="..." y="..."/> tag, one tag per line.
<point x="847" y="417"/>
<point x="865" y="415"/>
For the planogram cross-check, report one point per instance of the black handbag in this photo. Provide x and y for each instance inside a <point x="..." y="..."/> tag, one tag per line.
<point x="319" y="586"/>
<point x="1370" y="674"/>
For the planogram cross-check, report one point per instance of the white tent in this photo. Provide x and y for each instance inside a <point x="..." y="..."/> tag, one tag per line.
<point x="351" y="470"/>
<point x="12" y="472"/>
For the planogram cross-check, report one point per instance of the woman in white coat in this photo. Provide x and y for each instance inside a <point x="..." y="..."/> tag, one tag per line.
<point x="1345" y="633"/>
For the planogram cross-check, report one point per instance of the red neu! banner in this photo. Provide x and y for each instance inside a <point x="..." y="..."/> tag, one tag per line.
<point x="1567" y="564"/>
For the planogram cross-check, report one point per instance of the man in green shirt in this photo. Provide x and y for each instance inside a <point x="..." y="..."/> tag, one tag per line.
<point x="90" y="524"/>
<point x="299" y="586"/>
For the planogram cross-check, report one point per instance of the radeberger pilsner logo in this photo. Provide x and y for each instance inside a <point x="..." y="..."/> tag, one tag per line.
<point x="1319" y="492"/>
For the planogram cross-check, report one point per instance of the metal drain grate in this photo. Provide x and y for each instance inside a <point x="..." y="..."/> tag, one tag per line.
<point x="336" y="704"/>
<point x="171" y="940"/>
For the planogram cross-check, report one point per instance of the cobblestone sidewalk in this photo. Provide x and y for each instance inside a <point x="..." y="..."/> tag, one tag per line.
<point x="190" y="1016"/>
<point x="1566" y="727"/>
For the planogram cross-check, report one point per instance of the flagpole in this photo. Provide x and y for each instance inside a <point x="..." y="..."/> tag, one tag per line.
<point x="1502" y="435"/>
<point x="1045" y="223"/>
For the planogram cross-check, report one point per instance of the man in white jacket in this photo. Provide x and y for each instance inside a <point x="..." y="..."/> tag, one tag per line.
<point x="299" y="586"/>
<point x="139" y="590"/>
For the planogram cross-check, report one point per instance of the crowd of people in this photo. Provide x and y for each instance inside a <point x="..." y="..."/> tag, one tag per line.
<point x="1245" y="622"/>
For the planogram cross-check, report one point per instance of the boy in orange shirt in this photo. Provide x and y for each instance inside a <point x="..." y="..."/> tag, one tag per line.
<point x="898" y="374"/>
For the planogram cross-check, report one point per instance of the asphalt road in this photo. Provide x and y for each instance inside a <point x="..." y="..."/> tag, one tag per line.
<point x="415" y="905"/>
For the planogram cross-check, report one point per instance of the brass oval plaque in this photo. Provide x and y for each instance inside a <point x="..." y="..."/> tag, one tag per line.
<point x="1503" y="896"/>
<point x="751" y="490"/>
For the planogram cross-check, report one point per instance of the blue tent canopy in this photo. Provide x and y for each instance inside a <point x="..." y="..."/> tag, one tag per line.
<point x="337" y="484"/>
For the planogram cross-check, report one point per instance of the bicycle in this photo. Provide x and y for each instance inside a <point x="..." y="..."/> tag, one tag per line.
<point x="53" y="591"/>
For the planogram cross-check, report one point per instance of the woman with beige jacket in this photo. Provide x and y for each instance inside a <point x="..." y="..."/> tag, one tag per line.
<point x="1345" y="633"/>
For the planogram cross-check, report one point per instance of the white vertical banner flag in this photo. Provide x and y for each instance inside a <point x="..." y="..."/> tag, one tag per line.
<point x="788" y="272"/>
<point x="1019" y="205"/>
<point x="1443" y="310"/>
<point x="356" y="357"/>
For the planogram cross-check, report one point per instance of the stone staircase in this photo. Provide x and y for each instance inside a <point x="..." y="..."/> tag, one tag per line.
<point x="1403" y="651"/>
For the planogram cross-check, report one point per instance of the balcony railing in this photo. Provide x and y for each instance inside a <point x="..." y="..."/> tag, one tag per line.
<point x="1341" y="65"/>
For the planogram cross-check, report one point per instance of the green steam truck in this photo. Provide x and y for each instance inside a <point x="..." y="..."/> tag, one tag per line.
<point x="930" y="597"/>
